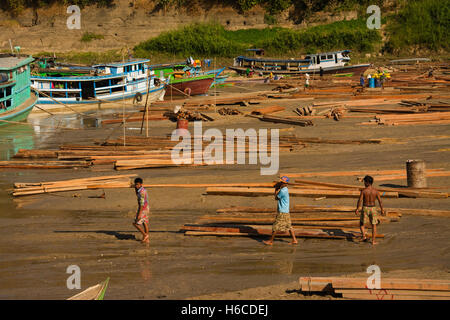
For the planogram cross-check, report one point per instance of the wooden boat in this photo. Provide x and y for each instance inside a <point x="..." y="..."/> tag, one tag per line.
<point x="186" y="79"/>
<point x="16" y="98"/>
<point x="96" y="292"/>
<point x="103" y="83"/>
<point x="330" y="62"/>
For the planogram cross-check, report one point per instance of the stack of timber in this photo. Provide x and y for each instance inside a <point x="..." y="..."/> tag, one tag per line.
<point x="251" y="221"/>
<point x="413" y="119"/>
<point x="135" y="152"/>
<point x="389" y="288"/>
<point x="389" y="211"/>
<point x="105" y="182"/>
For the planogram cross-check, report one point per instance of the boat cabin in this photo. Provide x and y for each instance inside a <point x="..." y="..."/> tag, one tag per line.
<point x="14" y="81"/>
<point x="109" y="81"/>
<point x="309" y="62"/>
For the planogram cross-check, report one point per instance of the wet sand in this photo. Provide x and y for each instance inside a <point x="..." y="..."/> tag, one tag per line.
<point x="40" y="236"/>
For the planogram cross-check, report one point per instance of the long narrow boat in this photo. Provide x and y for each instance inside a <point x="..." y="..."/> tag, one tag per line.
<point x="96" y="292"/>
<point x="16" y="98"/>
<point x="104" y="83"/>
<point x="330" y="62"/>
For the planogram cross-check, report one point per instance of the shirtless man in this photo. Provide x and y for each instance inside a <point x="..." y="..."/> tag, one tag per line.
<point x="368" y="196"/>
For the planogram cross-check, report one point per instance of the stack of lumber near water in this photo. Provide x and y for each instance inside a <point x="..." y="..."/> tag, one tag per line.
<point x="104" y="182"/>
<point x="389" y="289"/>
<point x="139" y="152"/>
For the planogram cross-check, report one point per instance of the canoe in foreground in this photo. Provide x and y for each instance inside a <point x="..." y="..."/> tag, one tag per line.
<point x="96" y="292"/>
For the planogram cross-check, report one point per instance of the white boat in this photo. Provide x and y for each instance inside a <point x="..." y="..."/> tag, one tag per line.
<point x="102" y="83"/>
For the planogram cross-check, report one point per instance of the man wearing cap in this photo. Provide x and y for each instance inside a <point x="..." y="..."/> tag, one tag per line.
<point x="283" y="219"/>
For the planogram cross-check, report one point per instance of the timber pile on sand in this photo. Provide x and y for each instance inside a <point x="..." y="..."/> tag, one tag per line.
<point x="307" y="222"/>
<point x="388" y="289"/>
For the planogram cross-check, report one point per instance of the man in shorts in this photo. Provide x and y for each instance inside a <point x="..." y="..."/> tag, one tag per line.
<point x="283" y="219"/>
<point x="142" y="215"/>
<point x="368" y="196"/>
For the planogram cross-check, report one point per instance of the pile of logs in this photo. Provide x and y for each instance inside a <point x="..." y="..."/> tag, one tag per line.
<point x="139" y="152"/>
<point x="389" y="288"/>
<point x="413" y="119"/>
<point x="105" y="182"/>
<point x="228" y="111"/>
<point x="307" y="223"/>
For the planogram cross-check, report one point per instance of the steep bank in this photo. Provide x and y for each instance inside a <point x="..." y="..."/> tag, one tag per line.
<point x="129" y="22"/>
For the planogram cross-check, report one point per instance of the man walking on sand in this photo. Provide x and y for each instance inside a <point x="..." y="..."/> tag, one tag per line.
<point x="368" y="196"/>
<point x="283" y="219"/>
<point x="142" y="215"/>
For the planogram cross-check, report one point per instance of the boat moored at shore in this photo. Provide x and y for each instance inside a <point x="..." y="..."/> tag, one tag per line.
<point x="105" y="83"/>
<point x="330" y="63"/>
<point x="16" y="98"/>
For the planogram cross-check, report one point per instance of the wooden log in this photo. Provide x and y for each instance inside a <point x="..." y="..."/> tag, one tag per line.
<point x="256" y="192"/>
<point x="302" y="123"/>
<point x="348" y="173"/>
<point x="401" y="191"/>
<point x="386" y="283"/>
<point x="395" y="292"/>
<point x="33" y="153"/>
<point x="44" y="164"/>
<point x="367" y="296"/>
<point x="267" y="110"/>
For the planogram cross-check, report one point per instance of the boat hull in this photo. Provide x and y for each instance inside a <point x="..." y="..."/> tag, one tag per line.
<point x="21" y="112"/>
<point x="109" y="102"/>
<point x="189" y="87"/>
<point x="359" y="68"/>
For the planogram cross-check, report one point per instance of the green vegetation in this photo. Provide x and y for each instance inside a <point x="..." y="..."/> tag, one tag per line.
<point x="270" y="19"/>
<point x="89" y="36"/>
<point x="420" y="25"/>
<point x="352" y="34"/>
<point x="88" y="58"/>
<point x="207" y="39"/>
<point x="211" y="39"/>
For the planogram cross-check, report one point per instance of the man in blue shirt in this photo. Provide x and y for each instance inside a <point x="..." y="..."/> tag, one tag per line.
<point x="283" y="219"/>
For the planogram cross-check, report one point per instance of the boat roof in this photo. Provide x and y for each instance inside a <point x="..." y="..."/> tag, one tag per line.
<point x="272" y="60"/>
<point x="9" y="61"/>
<point x="331" y="52"/>
<point x="121" y="64"/>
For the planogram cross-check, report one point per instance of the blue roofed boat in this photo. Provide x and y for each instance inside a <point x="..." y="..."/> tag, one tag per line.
<point x="330" y="63"/>
<point x="16" y="98"/>
<point x="80" y="87"/>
